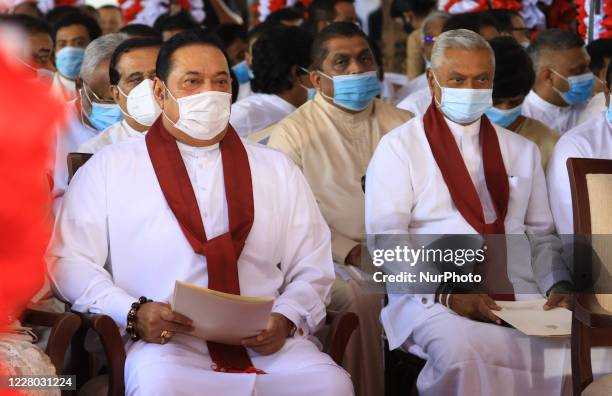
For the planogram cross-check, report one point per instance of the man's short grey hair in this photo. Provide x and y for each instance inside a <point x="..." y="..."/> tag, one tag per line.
<point x="458" y="39"/>
<point x="552" y="40"/>
<point x="98" y="51"/>
<point x="432" y="17"/>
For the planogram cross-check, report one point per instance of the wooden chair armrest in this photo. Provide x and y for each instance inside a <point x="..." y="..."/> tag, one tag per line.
<point x="63" y="327"/>
<point x="588" y="311"/>
<point x="342" y="325"/>
<point x="114" y="349"/>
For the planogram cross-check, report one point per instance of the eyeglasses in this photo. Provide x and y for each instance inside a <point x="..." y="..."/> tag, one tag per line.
<point x="96" y="97"/>
<point x="429" y="40"/>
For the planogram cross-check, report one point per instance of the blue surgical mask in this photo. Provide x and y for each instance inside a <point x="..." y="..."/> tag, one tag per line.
<point x="464" y="105"/>
<point x="427" y="64"/>
<point x="68" y="61"/>
<point x="609" y="113"/>
<point x="580" y="88"/>
<point x="525" y="44"/>
<point x="242" y="72"/>
<point x="504" y="118"/>
<point x="354" y="91"/>
<point x="103" y="115"/>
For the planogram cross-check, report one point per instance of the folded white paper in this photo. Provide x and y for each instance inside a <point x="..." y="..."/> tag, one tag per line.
<point x="221" y="317"/>
<point x="530" y="318"/>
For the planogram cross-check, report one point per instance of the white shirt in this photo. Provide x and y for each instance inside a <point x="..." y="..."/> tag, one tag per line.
<point x="417" y="102"/>
<point x="560" y="119"/>
<point x="68" y="141"/>
<point x="258" y="111"/>
<point x="414" y="85"/>
<point x="244" y="91"/>
<point x="406" y="194"/>
<point x="115" y="133"/>
<point x="64" y="87"/>
<point x="591" y="139"/>
<point x="596" y="105"/>
<point x="116" y="239"/>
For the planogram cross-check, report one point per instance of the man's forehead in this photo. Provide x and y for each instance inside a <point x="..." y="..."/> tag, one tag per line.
<point x="348" y="45"/>
<point x="463" y="60"/>
<point x="139" y="57"/>
<point x="72" y="30"/>
<point x="198" y="57"/>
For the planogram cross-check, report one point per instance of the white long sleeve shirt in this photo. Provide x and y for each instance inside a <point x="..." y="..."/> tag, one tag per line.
<point x="591" y="139"/>
<point x="560" y="119"/>
<point x="116" y="238"/>
<point x="406" y="194"/>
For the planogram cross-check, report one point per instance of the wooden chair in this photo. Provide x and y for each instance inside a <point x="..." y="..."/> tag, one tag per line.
<point x="591" y="185"/>
<point x="63" y="327"/>
<point x="341" y="327"/>
<point x="75" y="161"/>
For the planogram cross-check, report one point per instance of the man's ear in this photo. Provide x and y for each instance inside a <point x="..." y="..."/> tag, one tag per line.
<point x="115" y="92"/>
<point x="431" y="82"/>
<point x="315" y="79"/>
<point x="159" y="92"/>
<point x="547" y="76"/>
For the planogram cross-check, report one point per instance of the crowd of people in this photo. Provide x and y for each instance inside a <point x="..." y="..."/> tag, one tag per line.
<point x="255" y="162"/>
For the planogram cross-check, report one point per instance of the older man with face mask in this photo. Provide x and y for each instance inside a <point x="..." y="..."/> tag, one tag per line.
<point x="564" y="82"/>
<point x="453" y="172"/>
<point x="131" y="73"/>
<point x="206" y="221"/>
<point x="331" y="138"/>
<point x="92" y="111"/>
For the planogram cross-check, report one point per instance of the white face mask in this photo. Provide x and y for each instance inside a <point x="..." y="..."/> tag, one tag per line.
<point x="204" y="115"/>
<point x="141" y="104"/>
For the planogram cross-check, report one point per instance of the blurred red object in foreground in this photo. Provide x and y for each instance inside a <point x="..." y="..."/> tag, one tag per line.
<point x="30" y="116"/>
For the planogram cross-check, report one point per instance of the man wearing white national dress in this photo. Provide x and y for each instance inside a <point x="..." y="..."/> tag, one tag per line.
<point x="136" y="218"/>
<point x="453" y="172"/>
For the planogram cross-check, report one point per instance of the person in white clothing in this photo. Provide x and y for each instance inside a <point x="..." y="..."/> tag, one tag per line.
<point x="281" y="57"/>
<point x="229" y="233"/>
<point x="71" y="34"/>
<point x="93" y="109"/>
<point x="591" y="139"/>
<point x="563" y="83"/>
<point x="131" y="74"/>
<point x="600" y="52"/>
<point x="431" y="28"/>
<point x="460" y="174"/>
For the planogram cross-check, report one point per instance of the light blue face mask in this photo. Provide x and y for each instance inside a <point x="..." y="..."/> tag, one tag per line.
<point x="68" y="61"/>
<point x="464" y="105"/>
<point x="580" y="88"/>
<point x="354" y="91"/>
<point x="103" y="115"/>
<point x="609" y="113"/>
<point x="242" y="72"/>
<point x="427" y="63"/>
<point x="504" y="118"/>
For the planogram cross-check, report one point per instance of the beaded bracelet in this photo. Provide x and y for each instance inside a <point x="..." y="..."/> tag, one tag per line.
<point x="131" y="318"/>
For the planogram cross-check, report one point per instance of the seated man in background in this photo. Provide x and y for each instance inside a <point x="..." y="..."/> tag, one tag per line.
<point x="236" y="44"/>
<point x="563" y="82"/>
<point x="170" y="24"/>
<point x="281" y="57"/>
<point x="228" y="232"/>
<point x="415" y="95"/>
<point x="514" y="78"/>
<point x="39" y="44"/>
<point x="111" y="19"/>
<point x="511" y="23"/>
<point x="131" y="75"/>
<point x="428" y="177"/>
<point x="71" y="34"/>
<point x="478" y="22"/>
<point x="600" y="52"/>
<point x="94" y="108"/>
<point x="331" y="139"/>
<point x="321" y="13"/>
<point x="591" y="139"/>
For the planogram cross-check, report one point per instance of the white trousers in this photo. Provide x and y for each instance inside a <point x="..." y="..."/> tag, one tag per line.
<point x="466" y="357"/>
<point x="182" y="367"/>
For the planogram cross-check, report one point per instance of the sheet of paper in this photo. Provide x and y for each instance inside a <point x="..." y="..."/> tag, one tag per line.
<point x="530" y="318"/>
<point x="221" y="317"/>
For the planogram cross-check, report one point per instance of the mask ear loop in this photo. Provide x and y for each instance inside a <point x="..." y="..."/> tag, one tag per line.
<point x="125" y="113"/>
<point x="164" y="112"/>
<point x="441" y="90"/>
<point x="563" y="77"/>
